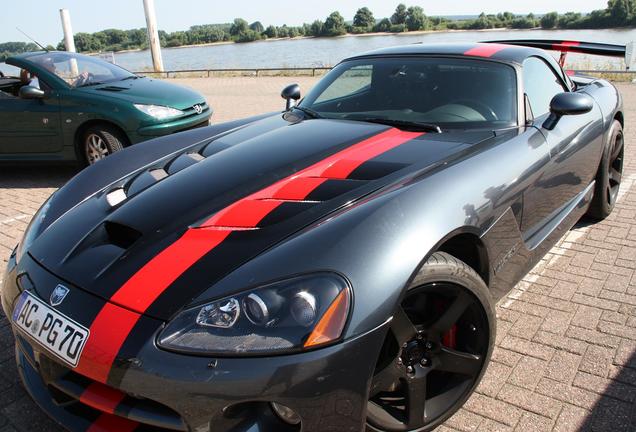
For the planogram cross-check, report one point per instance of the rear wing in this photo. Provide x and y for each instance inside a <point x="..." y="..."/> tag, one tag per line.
<point x="593" y="48"/>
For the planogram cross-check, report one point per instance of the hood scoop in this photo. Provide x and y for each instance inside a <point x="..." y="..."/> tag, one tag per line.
<point x="112" y="88"/>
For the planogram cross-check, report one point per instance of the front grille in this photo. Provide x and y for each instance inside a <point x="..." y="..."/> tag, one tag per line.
<point x="87" y="398"/>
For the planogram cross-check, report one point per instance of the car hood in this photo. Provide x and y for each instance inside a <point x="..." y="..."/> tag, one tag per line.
<point x="161" y="235"/>
<point x="148" y="91"/>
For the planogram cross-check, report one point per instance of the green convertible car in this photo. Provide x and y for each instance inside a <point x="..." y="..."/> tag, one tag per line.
<point x="67" y="107"/>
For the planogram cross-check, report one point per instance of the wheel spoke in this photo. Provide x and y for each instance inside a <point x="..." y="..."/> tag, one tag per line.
<point x="618" y="145"/>
<point x="402" y="327"/>
<point x="452" y="314"/>
<point x="386" y="379"/>
<point x="415" y="401"/>
<point x="449" y="360"/>
<point x="615" y="175"/>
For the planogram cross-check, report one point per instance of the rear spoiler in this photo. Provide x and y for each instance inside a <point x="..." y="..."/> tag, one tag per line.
<point x="594" y="48"/>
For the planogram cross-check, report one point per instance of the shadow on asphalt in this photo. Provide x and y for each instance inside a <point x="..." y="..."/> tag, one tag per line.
<point x="33" y="176"/>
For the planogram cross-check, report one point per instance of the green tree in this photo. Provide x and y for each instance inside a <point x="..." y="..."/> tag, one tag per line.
<point x="364" y="18"/>
<point x="271" y="32"/>
<point x="415" y="18"/>
<point x="549" y="20"/>
<point x="334" y="25"/>
<point x="257" y="27"/>
<point x="383" y="26"/>
<point x="399" y="17"/>
<point x="239" y="27"/>
<point x="317" y="28"/>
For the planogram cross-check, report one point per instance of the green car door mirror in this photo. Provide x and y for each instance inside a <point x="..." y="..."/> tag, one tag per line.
<point x="30" y="92"/>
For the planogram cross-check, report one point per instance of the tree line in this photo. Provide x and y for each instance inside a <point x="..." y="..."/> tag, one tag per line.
<point x="618" y="13"/>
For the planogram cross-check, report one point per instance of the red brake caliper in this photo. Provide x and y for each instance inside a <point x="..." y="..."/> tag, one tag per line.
<point x="449" y="337"/>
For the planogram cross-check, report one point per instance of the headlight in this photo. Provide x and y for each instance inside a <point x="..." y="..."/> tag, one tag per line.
<point x="159" y="112"/>
<point x="292" y="315"/>
<point x="34" y="229"/>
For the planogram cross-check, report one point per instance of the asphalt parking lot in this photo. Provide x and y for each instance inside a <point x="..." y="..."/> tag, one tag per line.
<point x="566" y="345"/>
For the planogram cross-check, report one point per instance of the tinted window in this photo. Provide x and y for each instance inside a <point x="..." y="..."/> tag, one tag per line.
<point x="452" y="93"/>
<point x="540" y="84"/>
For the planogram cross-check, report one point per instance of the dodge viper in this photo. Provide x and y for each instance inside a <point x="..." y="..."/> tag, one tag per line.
<point x="330" y="267"/>
<point x="71" y="107"/>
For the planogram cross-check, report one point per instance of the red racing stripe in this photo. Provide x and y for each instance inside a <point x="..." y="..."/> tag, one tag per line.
<point x="101" y="397"/>
<point x="565" y="45"/>
<point x="110" y="423"/>
<point x="115" y="321"/>
<point x="486" y="49"/>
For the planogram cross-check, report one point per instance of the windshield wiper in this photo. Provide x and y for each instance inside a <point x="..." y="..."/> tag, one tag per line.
<point x="311" y="113"/>
<point x="401" y="124"/>
<point x="92" y="83"/>
<point x="130" y="77"/>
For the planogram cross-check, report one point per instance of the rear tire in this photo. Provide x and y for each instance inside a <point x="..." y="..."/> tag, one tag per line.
<point x="439" y="345"/>
<point x="609" y="175"/>
<point x="100" y="141"/>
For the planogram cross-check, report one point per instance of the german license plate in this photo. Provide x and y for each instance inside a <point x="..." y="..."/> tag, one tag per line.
<point x="60" y="335"/>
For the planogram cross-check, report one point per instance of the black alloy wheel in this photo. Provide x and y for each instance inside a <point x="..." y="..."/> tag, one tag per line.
<point x="435" y="353"/>
<point x="609" y="175"/>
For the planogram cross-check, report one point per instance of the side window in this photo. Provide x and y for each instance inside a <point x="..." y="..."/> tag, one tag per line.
<point x="541" y="84"/>
<point x="350" y="82"/>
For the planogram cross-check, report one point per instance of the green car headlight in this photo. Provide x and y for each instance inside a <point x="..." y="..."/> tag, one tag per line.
<point x="287" y="316"/>
<point x="158" y="111"/>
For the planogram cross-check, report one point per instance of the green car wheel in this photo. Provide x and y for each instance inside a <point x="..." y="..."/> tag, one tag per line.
<point x="99" y="142"/>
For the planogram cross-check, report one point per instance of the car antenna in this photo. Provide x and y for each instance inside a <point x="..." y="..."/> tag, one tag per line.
<point x="36" y="42"/>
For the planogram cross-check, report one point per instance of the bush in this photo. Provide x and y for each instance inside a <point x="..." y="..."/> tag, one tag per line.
<point x="398" y="28"/>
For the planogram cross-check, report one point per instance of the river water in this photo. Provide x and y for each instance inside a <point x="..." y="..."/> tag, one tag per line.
<point x="312" y="52"/>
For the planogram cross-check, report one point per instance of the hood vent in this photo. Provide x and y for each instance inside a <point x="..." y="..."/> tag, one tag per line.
<point x="145" y="179"/>
<point x="121" y="235"/>
<point x="183" y="161"/>
<point x="112" y="88"/>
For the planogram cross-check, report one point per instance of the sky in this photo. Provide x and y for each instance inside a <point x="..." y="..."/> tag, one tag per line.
<point x="43" y="22"/>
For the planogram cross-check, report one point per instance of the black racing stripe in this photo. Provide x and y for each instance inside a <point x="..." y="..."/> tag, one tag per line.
<point x="374" y="169"/>
<point x="285" y="211"/>
<point x="238" y="247"/>
<point x="153" y="243"/>
<point x="333" y="188"/>
<point x="141" y="334"/>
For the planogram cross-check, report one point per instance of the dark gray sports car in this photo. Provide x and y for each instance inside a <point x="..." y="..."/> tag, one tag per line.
<point x="333" y="267"/>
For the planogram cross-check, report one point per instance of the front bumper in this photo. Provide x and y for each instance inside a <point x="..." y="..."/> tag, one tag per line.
<point x="159" y="390"/>
<point x="170" y="127"/>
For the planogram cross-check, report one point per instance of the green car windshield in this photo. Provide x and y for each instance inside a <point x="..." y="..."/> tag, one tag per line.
<point x="79" y="70"/>
<point x="447" y="92"/>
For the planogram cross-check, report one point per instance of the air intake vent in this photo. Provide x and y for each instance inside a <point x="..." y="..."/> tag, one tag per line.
<point x="145" y="179"/>
<point x="112" y="88"/>
<point x="121" y="235"/>
<point x="183" y="161"/>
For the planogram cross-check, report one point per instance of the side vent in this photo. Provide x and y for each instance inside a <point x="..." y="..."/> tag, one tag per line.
<point x="121" y="235"/>
<point x="183" y="161"/>
<point x="145" y="179"/>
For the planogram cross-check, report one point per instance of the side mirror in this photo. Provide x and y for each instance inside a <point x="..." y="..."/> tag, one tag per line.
<point x="290" y="92"/>
<point x="567" y="104"/>
<point x="30" y="92"/>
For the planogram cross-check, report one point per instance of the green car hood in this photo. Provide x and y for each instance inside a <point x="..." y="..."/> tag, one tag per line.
<point x="147" y="91"/>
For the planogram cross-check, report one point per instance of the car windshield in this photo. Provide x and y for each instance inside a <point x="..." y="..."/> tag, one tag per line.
<point x="446" y="92"/>
<point x="79" y="70"/>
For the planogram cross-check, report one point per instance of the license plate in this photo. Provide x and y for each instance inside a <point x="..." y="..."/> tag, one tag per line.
<point x="60" y="335"/>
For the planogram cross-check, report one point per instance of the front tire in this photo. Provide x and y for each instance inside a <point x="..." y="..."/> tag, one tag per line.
<point x="99" y="142"/>
<point x="609" y="175"/>
<point x="439" y="344"/>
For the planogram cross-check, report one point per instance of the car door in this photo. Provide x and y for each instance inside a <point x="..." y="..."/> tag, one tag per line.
<point x="574" y="146"/>
<point x="30" y="125"/>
